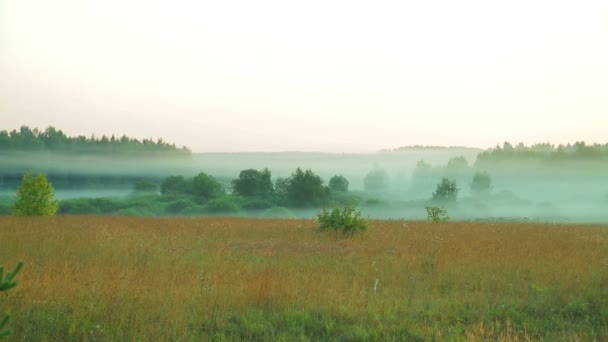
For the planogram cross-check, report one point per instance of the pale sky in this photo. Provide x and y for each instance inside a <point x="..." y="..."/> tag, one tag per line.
<point x="335" y="76"/>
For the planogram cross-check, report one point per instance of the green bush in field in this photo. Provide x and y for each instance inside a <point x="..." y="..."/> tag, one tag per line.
<point x="7" y="283"/>
<point x="35" y="197"/>
<point x="437" y="214"/>
<point x="345" y="219"/>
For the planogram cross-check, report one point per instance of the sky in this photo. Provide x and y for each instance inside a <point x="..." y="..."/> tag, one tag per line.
<point x="331" y="76"/>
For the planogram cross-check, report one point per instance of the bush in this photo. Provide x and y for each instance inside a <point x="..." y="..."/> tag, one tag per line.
<point x="78" y="206"/>
<point x="222" y="206"/>
<point x="255" y="203"/>
<point x="437" y="214"/>
<point x="341" y="219"/>
<point x="35" y="197"/>
<point x="178" y="206"/>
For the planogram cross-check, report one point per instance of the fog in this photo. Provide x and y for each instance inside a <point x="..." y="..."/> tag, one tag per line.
<point x="528" y="190"/>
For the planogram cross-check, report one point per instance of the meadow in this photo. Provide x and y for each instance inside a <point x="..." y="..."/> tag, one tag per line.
<point x="104" y="278"/>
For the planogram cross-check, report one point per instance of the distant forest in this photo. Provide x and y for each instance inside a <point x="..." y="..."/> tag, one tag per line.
<point x="54" y="140"/>
<point x="544" y="152"/>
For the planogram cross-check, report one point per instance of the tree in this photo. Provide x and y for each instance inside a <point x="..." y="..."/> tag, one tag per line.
<point x="376" y="181"/>
<point x="306" y="189"/>
<point x="35" y="197"/>
<point x="481" y="185"/>
<point x="174" y="185"/>
<point x="446" y="191"/>
<point x="206" y="186"/>
<point x="338" y="184"/>
<point x="253" y="183"/>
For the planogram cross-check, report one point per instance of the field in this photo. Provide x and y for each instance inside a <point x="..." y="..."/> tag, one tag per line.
<point x="149" y="279"/>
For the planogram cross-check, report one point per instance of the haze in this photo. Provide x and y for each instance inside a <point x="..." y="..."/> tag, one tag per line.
<point x="314" y="76"/>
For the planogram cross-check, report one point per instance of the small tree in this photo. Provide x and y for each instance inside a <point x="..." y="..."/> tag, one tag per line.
<point x="338" y="184"/>
<point x="341" y="219"/>
<point x="481" y="185"/>
<point x="437" y="214"/>
<point x="446" y="191"/>
<point x="35" y="197"/>
<point x="7" y="283"/>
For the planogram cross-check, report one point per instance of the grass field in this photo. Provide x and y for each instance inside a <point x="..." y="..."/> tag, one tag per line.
<point x="149" y="279"/>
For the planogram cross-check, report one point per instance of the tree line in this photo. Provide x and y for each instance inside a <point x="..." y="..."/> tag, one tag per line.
<point x="544" y="152"/>
<point x="54" y="140"/>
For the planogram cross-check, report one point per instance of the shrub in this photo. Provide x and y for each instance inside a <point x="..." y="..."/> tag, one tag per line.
<point x="7" y="283"/>
<point x="222" y="206"/>
<point x="35" y="197"/>
<point x="343" y="219"/>
<point x="78" y="206"/>
<point x="255" y="203"/>
<point x="437" y="214"/>
<point x="179" y="205"/>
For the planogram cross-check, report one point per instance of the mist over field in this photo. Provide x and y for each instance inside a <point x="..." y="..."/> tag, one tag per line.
<point x="566" y="191"/>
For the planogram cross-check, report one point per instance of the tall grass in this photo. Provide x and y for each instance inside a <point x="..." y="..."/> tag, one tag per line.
<point x="124" y="278"/>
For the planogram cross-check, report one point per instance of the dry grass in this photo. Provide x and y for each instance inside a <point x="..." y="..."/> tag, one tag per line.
<point x="119" y="278"/>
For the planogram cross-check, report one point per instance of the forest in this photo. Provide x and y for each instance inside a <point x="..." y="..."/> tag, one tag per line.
<point x="54" y="140"/>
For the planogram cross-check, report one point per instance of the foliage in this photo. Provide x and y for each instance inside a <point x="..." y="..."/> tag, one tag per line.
<point x="7" y="283"/>
<point x="376" y="181"/>
<point x="253" y="183"/>
<point x="344" y="219"/>
<point x="437" y="214"/>
<point x="145" y="186"/>
<point x="543" y="152"/>
<point x="446" y="191"/>
<point x="338" y="184"/>
<point x="206" y="187"/>
<point x="481" y="185"/>
<point x="222" y="206"/>
<point x="177" y="206"/>
<point x="255" y="203"/>
<point x="305" y="189"/>
<point x="35" y="197"/>
<point x="51" y="139"/>
<point x="202" y="186"/>
<point x="174" y="185"/>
